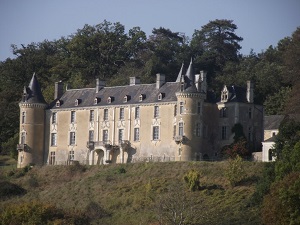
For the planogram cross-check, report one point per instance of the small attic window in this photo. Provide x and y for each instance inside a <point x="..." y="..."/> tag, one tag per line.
<point x="77" y="101"/>
<point x="142" y="97"/>
<point x="126" y="98"/>
<point x="161" y="96"/>
<point x="110" y="99"/>
<point x="224" y="96"/>
<point x="58" y="103"/>
<point x="97" y="100"/>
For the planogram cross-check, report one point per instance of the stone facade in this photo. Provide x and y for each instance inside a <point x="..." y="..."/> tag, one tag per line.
<point x="164" y="121"/>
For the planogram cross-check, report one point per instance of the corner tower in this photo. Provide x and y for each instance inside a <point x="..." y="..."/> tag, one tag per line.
<point x="190" y="101"/>
<point x="32" y="124"/>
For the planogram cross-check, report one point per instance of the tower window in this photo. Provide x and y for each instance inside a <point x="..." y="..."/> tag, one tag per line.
<point x="180" y="129"/>
<point x="72" y="138"/>
<point x="23" y="137"/>
<point x="250" y="113"/>
<point x="198" y="129"/>
<point x="53" y="139"/>
<point x="181" y="107"/>
<point x="23" y="117"/>
<point x="72" y="116"/>
<point x="155" y="133"/>
<point x="223" y="112"/>
<point x="199" y="108"/>
<point x="156" y="111"/>
<point x="54" y="118"/>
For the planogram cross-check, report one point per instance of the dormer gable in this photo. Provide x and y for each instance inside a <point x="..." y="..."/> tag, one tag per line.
<point x="58" y="103"/>
<point x="142" y="97"/>
<point x="224" y="94"/>
<point x="126" y="98"/>
<point x="110" y="99"/>
<point x="97" y="100"/>
<point x="77" y="101"/>
<point x="160" y="96"/>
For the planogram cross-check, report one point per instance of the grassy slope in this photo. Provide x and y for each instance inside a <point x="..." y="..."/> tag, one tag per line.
<point x="133" y="197"/>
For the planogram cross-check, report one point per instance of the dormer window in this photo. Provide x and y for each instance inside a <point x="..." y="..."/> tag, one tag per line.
<point x="110" y="99"/>
<point x="161" y="96"/>
<point x="224" y="96"/>
<point x="77" y="101"/>
<point x="58" y="103"/>
<point x="142" y="97"/>
<point x="97" y="100"/>
<point x="126" y="98"/>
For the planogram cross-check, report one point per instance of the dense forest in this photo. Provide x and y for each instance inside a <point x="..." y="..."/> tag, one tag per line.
<point x="107" y="52"/>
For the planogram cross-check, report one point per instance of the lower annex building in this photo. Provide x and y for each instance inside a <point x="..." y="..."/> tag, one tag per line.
<point x="163" y="121"/>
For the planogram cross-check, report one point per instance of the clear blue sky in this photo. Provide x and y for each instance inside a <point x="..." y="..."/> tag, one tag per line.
<point x="260" y="22"/>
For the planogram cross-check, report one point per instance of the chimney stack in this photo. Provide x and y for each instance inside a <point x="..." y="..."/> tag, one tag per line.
<point x="99" y="85"/>
<point x="134" y="81"/>
<point x="250" y="91"/>
<point x="58" y="90"/>
<point x="160" y="80"/>
<point x="203" y="81"/>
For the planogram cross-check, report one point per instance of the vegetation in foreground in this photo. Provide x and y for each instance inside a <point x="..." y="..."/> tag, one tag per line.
<point x="142" y="193"/>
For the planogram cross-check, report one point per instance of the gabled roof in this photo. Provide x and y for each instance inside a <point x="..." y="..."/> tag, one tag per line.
<point x="88" y="95"/>
<point x="236" y="93"/>
<point x="272" y="122"/>
<point x="33" y="93"/>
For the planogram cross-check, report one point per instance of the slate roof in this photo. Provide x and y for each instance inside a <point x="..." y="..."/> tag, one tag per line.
<point x="272" y="122"/>
<point x="87" y="96"/>
<point x="271" y="139"/>
<point x="33" y="93"/>
<point x="238" y="94"/>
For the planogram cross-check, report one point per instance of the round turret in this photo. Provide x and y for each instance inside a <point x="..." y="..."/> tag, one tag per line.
<point x="32" y="124"/>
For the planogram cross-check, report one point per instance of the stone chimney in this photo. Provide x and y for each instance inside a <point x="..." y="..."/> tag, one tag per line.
<point x="203" y="81"/>
<point x="134" y="81"/>
<point x="99" y="85"/>
<point x="160" y="80"/>
<point x="58" y="90"/>
<point x="250" y="91"/>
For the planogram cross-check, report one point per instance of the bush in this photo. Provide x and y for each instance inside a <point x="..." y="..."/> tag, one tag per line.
<point x="192" y="178"/>
<point x="235" y="172"/>
<point x="8" y="189"/>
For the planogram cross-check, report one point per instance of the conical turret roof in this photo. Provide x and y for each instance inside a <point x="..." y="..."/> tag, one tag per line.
<point x="190" y="72"/>
<point x="33" y="93"/>
<point x="180" y="74"/>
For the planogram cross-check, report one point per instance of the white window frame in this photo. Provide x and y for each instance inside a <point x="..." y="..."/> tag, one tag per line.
<point x="23" y="137"/>
<point x="136" y="136"/>
<point x="180" y="129"/>
<point x="181" y="108"/>
<point x="71" y="155"/>
<point x="52" y="158"/>
<point x="54" y="118"/>
<point x="156" y="111"/>
<point x="73" y="116"/>
<point x="122" y="114"/>
<point x="23" y="117"/>
<point x="91" y="135"/>
<point x="137" y="112"/>
<point x="155" y="133"/>
<point x="105" y="136"/>
<point x="53" y="139"/>
<point x="72" y="138"/>
<point x="105" y="114"/>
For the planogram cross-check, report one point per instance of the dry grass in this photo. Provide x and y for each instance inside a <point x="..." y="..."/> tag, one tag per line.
<point x="129" y="193"/>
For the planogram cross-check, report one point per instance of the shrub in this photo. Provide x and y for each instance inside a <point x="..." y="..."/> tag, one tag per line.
<point x="235" y="172"/>
<point x="8" y="189"/>
<point x="192" y="178"/>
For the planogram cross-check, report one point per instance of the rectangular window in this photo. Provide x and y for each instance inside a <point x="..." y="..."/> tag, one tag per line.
<point x="136" y="134"/>
<point x="92" y="115"/>
<point x="223" y="112"/>
<point x="250" y="136"/>
<point x="71" y="155"/>
<point x="224" y="133"/>
<point x="52" y="158"/>
<point x="121" y="135"/>
<point x="181" y="107"/>
<point x="198" y="129"/>
<point x="121" y="113"/>
<point x="105" y="115"/>
<point x="250" y="113"/>
<point x="199" y="108"/>
<point x="156" y="111"/>
<point x="105" y="136"/>
<point x="180" y="129"/>
<point x="72" y="138"/>
<point x="174" y="130"/>
<point x="137" y="112"/>
<point x="23" y="137"/>
<point x="72" y="116"/>
<point x="54" y="118"/>
<point x="53" y="139"/>
<point x="155" y="134"/>
<point x="175" y="110"/>
<point x="91" y="135"/>
<point x="23" y="117"/>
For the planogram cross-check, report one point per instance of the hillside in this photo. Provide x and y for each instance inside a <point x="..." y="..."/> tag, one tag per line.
<point x="139" y="193"/>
